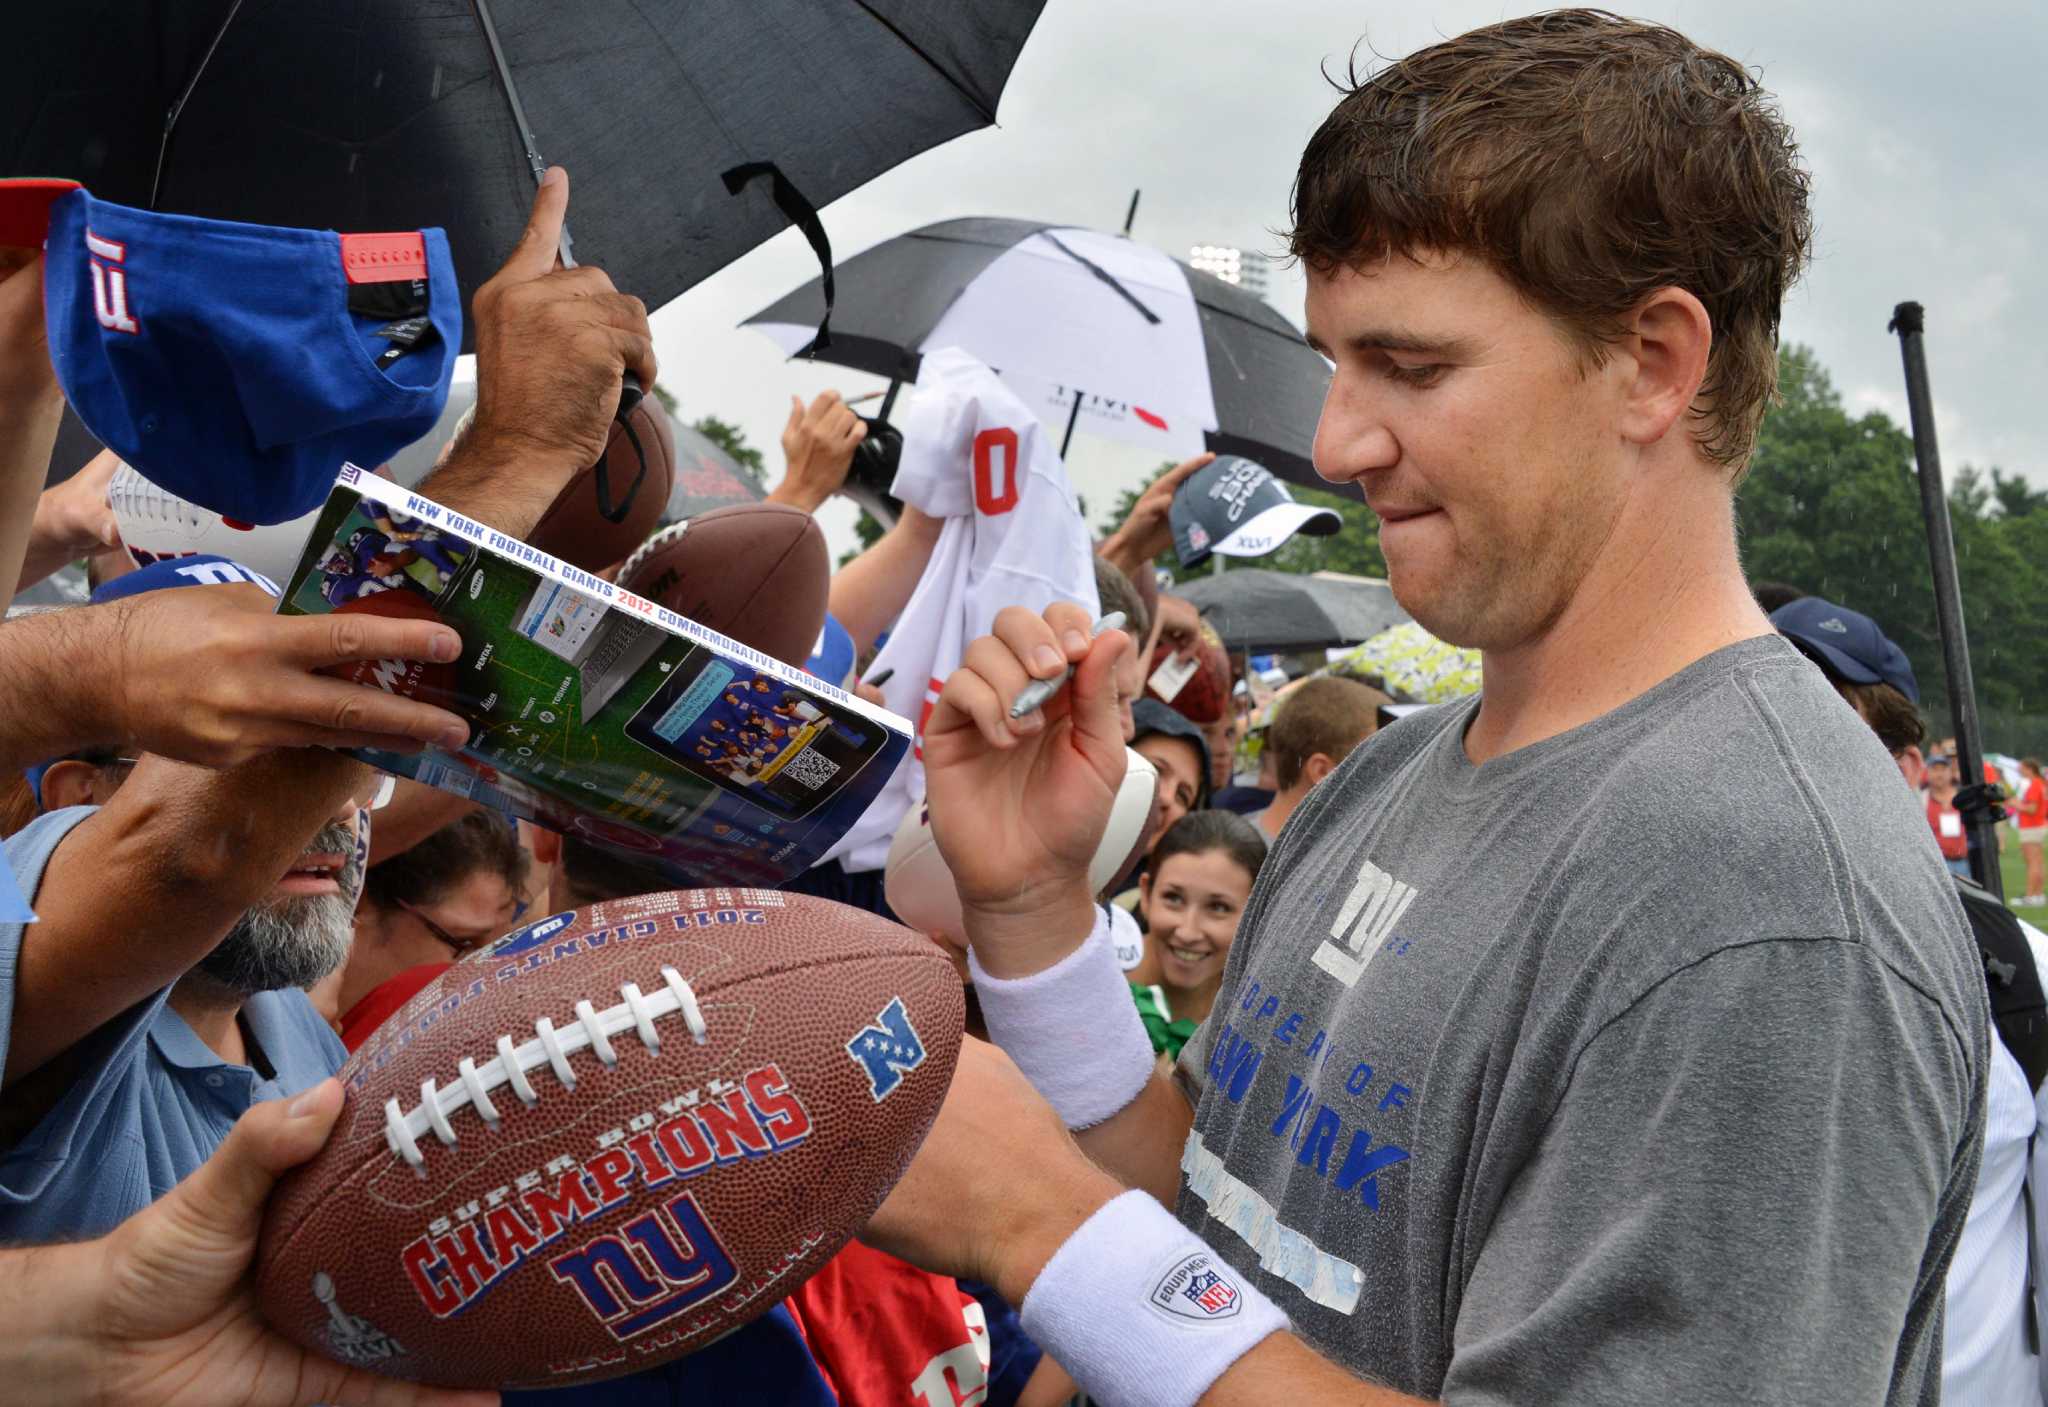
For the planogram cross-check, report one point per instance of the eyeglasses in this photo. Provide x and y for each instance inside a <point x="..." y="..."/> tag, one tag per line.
<point x="459" y="946"/>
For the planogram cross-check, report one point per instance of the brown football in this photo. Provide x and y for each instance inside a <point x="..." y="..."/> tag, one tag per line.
<point x="611" y="1137"/>
<point x="758" y="572"/>
<point x="573" y="528"/>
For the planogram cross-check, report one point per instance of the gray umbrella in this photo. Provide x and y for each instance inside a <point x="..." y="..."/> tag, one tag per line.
<point x="693" y="129"/>
<point x="1261" y="611"/>
<point x="1079" y="322"/>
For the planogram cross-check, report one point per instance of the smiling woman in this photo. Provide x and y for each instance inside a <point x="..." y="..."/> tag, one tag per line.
<point x="432" y="903"/>
<point x="1194" y="892"/>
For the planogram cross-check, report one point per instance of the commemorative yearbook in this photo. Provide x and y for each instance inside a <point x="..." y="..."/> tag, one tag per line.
<point x="593" y="711"/>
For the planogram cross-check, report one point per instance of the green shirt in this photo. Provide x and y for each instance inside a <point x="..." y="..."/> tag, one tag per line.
<point x="1168" y="1035"/>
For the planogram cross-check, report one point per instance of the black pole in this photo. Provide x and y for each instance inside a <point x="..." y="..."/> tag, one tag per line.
<point x="1072" y="416"/>
<point x="1974" y="799"/>
<point x="1131" y="215"/>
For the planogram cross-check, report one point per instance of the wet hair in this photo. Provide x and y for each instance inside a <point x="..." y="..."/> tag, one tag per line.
<point x="1330" y="716"/>
<point x="1772" y="596"/>
<point x="1590" y="160"/>
<point x="1890" y="714"/>
<point x="1118" y="592"/>
<point x="1199" y="832"/>
<point x="481" y="841"/>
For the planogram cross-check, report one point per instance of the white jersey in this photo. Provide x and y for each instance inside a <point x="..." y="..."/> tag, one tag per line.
<point x="1984" y="1349"/>
<point x="1013" y="536"/>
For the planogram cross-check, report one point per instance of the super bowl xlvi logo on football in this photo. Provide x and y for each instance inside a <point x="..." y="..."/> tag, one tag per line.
<point x="350" y="1337"/>
<point x="649" y="1270"/>
<point x="887" y="1049"/>
<point x="1195" y="1288"/>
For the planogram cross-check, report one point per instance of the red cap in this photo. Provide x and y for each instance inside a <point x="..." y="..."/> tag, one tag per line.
<point x="25" y="203"/>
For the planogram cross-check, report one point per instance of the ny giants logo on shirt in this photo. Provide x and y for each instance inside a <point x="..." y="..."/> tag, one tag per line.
<point x="1364" y="923"/>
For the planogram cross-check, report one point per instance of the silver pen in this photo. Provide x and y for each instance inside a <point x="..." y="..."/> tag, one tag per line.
<point x="1034" y="695"/>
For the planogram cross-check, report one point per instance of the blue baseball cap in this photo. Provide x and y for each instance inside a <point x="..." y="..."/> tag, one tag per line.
<point x="200" y="569"/>
<point x="240" y="366"/>
<point x="1845" y="644"/>
<point x="832" y="658"/>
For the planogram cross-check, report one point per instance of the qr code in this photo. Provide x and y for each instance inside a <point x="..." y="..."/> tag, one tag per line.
<point x="812" y="770"/>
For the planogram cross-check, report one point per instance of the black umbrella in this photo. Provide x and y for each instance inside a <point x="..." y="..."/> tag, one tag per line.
<point x="1261" y="611"/>
<point x="1086" y="327"/>
<point x="694" y="131"/>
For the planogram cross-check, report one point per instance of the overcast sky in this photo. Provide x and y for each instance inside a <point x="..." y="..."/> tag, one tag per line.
<point x="1922" y="124"/>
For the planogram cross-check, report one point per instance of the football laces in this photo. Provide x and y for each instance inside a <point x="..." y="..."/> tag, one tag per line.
<point x="550" y="1046"/>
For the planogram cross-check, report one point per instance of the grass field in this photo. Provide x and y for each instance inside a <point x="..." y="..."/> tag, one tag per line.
<point x="2015" y="873"/>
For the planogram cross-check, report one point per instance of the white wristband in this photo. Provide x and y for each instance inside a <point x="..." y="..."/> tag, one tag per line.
<point x="1073" y="1029"/>
<point x="1141" y="1311"/>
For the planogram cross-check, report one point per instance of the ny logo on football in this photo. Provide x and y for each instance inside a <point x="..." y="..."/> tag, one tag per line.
<point x="660" y="1265"/>
<point x="887" y="1050"/>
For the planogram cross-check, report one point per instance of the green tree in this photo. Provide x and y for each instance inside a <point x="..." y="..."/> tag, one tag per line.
<point x="1832" y="506"/>
<point x="733" y="440"/>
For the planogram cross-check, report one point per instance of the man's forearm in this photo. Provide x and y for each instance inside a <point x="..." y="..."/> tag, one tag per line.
<point x="1140" y="1145"/>
<point x="49" y="662"/>
<point x="1054" y="1001"/>
<point x="503" y="485"/>
<point x="1284" y="1369"/>
<point x="870" y="592"/>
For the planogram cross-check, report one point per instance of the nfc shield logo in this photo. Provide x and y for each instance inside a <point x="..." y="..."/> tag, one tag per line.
<point x="1364" y="923"/>
<point x="887" y="1050"/>
<point x="110" y="284"/>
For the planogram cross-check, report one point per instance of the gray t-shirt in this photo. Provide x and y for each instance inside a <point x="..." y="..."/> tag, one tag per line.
<point x="1641" y="1065"/>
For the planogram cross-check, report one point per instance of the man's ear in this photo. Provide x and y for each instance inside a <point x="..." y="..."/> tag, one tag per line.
<point x="69" y="783"/>
<point x="1318" y="766"/>
<point x="1668" y="338"/>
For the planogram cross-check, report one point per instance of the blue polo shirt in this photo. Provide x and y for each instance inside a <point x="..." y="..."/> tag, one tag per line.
<point x="149" y="1101"/>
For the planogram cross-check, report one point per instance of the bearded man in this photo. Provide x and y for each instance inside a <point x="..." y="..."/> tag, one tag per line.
<point x="228" y="892"/>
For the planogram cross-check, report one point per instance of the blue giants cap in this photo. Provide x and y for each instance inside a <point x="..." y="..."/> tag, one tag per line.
<point x="832" y="658"/>
<point x="1845" y="645"/>
<point x="240" y="366"/>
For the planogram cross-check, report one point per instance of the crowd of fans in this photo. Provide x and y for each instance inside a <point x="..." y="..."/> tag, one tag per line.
<point x="225" y="905"/>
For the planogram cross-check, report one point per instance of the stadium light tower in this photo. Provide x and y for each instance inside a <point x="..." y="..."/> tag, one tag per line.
<point x="1243" y="267"/>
